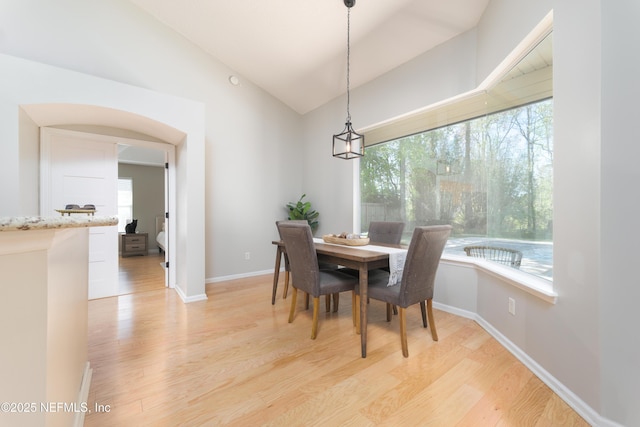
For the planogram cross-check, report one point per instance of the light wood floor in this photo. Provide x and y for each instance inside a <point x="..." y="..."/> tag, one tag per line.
<point x="140" y="273"/>
<point x="234" y="360"/>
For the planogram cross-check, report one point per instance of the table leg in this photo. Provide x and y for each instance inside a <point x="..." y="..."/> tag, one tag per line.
<point x="364" y="286"/>
<point x="276" y="275"/>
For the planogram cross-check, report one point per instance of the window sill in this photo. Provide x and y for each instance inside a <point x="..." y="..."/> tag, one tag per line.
<point x="529" y="283"/>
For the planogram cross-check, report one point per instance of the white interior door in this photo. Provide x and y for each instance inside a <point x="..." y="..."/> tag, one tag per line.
<point x="80" y="168"/>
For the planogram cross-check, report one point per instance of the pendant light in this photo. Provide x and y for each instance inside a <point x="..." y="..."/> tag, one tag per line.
<point x="348" y="144"/>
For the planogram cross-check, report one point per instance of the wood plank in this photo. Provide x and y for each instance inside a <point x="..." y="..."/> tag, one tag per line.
<point x="235" y="360"/>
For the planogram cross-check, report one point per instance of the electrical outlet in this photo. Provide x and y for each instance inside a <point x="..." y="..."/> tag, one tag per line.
<point x="247" y="255"/>
<point x="512" y="306"/>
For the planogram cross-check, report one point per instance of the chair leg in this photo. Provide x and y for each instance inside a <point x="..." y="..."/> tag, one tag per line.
<point x="336" y="301"/>
<point x="389" y="312"/>
<point x="403" y="331"/>
<point x="424" y="314"/>
<point x="286" y="285"/>
<point x="395" y="310"/>
<point x="432" y="323"/>
<point x="306" y="301"/>
<point x="314" y="324"/>
<point x="327" y="302"/>
<point x="294" y="296"/>
<point x="276" y="275"/>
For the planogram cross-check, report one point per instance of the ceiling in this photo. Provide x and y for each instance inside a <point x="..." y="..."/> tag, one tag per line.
<point x="296" y="50"/>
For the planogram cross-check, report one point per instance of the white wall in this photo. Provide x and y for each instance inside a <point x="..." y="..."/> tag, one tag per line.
<point x="619" y="290"/>
<point x="573" y="329"/>
<point x="252" y="141"/>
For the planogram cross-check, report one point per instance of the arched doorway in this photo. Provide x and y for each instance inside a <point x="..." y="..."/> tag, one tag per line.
<point x="54" y="96"/>
<point x="73" y="121"/>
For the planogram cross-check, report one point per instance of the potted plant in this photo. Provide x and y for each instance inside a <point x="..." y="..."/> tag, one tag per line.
<point x="302" y="211"/>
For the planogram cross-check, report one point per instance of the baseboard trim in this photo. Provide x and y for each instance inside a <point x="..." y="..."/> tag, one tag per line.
<point x="238" y="276"/>
<point x="454" y="310"/>
<point x="186" y="299"/>
<point x="571" y="399"/>
<point x="83" y="395"/>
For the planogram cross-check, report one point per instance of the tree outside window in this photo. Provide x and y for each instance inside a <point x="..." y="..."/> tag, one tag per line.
<point x="491" y="178"/>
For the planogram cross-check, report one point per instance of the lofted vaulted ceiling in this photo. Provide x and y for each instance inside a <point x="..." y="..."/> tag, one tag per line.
<point x="296" y="50"/>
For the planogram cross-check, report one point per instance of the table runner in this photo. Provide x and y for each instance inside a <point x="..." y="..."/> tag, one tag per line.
<point x="397" y="258"/>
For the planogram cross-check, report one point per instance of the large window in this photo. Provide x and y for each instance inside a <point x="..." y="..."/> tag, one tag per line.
<point x="125" y="202"/>
<point x="491" y="178"/>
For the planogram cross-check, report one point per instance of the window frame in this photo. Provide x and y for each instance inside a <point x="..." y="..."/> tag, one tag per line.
<point x="122" y="221"/>
<point x="468" y="172"/>
<point x="405" y="126"/>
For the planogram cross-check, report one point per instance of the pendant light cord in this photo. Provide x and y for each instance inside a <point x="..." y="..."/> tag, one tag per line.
<point x="348" y="60"/>
<point x="348" y="144"/>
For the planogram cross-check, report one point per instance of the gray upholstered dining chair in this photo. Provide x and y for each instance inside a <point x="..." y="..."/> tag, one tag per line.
<point x="306" y="275"/>
<point x="287" y="268"/>
<point x="418" y="278"/>
<point x="287" y="272"/>
<point x="388" y="232"/>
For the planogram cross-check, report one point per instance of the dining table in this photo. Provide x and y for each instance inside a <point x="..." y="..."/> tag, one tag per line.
<point x="360" y="258"/>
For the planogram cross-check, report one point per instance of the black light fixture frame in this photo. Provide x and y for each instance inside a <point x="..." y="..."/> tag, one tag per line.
<point x="348" y="144"/>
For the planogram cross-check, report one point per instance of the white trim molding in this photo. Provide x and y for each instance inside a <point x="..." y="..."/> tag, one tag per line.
<point x="529" y="283"/>
<point x="577" y="404"/>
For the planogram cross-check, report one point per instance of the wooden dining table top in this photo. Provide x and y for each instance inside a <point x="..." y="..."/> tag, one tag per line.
<point x="359" y="253"/>
<point x="356" y="253"/>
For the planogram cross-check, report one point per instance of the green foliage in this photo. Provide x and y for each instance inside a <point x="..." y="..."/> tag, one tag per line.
<point x="500" y="183"/>
<point x="302" y="210"/>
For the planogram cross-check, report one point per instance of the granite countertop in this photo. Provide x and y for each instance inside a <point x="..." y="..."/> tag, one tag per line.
<point x="26" y="223"/>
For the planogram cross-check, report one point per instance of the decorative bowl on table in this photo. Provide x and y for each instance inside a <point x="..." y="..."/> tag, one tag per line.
<point x="346" y="239"/>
